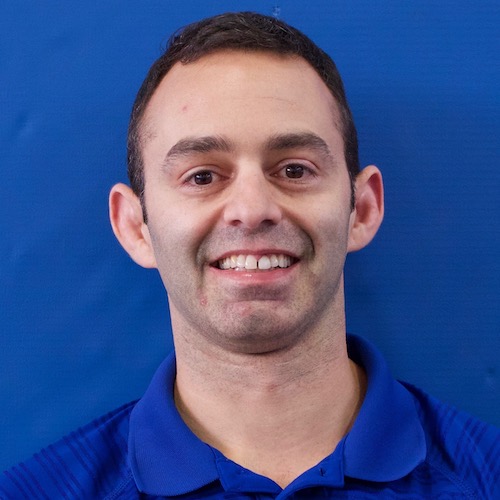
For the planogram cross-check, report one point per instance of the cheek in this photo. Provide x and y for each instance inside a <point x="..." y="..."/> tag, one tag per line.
<point x="332" y="233"/>
<point x="168" y="217"/>
<point x="171" y="243"/>
<point x="177" y="236"/>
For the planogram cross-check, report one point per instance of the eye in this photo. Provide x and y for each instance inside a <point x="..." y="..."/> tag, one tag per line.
<point x="294" y="171"/>
<point x="202" y="178"/>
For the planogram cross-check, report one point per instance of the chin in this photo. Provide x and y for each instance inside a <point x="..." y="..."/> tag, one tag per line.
<point x="258" y="334"/>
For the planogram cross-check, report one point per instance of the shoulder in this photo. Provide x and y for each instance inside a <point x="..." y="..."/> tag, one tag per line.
<point x="88" y="463"/>
<point x="460" y="447"/>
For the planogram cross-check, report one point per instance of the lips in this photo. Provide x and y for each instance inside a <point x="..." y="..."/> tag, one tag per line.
<point x="250" y="262"/>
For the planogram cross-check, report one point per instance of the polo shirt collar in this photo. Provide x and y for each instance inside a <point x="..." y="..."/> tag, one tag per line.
<point x="385" y="443"/>
<point x="165" y="456"/>
<point x="387" y="440"/>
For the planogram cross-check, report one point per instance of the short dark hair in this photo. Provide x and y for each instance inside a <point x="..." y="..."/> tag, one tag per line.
<point x="243" y="31"/>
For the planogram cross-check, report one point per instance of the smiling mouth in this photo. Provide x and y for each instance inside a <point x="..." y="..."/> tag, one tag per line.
<point x="253" y="263"/>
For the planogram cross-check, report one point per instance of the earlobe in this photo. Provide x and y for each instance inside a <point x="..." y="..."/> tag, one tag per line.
<point x="126" y="216"/>
<point x="369" y="209"/>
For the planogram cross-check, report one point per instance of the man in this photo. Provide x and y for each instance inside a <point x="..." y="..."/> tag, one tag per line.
<point x="246" y="194"/>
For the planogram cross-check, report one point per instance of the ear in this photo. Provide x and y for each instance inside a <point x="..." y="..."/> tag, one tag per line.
<point x="125" y="213"/>
<point x="369" y="208"/>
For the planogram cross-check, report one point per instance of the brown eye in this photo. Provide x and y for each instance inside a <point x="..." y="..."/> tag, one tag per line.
<point x="203" y="178"/>
<point x="294" y="171"/>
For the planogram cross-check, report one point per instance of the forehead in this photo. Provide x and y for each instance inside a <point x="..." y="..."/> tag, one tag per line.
<point x="236" y="90"/>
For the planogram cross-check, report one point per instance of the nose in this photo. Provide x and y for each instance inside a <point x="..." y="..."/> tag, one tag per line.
<point x="252" y="201"/>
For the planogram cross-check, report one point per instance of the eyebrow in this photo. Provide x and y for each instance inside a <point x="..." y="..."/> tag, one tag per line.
<point x="298" y="140"/>
<point x="278" y="142"/>
<point x="193" y="145"/>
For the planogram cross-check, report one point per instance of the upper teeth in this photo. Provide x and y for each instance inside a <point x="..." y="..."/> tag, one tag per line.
<point x="250" y="262"/>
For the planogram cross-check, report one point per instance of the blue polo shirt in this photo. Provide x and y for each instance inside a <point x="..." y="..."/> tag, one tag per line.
<point x="403" y="443"/>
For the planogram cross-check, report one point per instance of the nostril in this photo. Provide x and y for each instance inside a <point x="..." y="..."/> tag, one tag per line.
<point x="252" y="212"/>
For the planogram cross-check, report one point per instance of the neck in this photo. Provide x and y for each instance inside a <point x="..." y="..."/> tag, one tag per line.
<point x="277" y="414"/>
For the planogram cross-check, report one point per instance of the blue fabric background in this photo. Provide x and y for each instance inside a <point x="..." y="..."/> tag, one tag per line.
<point x="83" y="328"/>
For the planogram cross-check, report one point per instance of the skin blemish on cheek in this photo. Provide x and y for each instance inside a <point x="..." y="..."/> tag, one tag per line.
<point x="203" y="301"/>
<point x="184" y="108"/>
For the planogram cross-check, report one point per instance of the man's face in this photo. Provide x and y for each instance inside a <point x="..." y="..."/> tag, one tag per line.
<point x="248" y="200"/>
